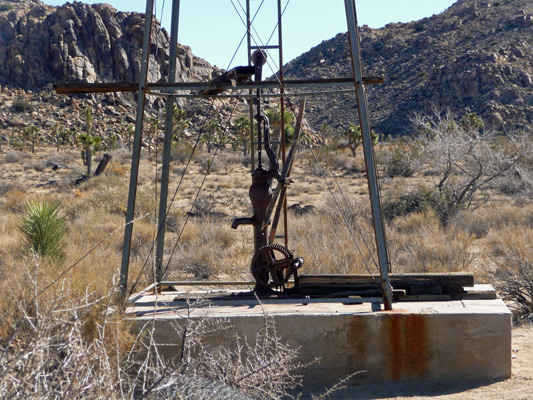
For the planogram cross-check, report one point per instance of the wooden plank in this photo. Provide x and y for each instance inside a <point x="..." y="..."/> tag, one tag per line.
<point x="425" y="289"/>
<point x="477" y="292"/>
<point x="450" y="282"/>
<point x="77" y="88"/>
<point x="425" y="297"/>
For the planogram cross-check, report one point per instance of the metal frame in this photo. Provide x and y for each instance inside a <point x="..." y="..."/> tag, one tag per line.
<point x="169" y="89"/>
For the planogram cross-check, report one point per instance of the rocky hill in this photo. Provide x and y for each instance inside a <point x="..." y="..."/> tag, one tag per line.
<point x="77" y="42"/>
<point x="475" y="56"/>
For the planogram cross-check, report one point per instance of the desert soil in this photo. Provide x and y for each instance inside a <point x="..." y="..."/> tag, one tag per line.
<point x="518" y="387"/>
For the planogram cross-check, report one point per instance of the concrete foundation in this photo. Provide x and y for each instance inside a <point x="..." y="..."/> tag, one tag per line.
<point x="464" y="339"/>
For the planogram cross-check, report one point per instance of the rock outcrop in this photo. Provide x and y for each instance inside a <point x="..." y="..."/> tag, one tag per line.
<point x="78" y="42"/>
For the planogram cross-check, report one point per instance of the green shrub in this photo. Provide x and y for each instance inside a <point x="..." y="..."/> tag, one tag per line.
<point x="5" y="7"/>
<point x="44" y="229"/>
<point x="420" y="200"/>
<point x="21" y="105"/>
<point x="181" y="152"/>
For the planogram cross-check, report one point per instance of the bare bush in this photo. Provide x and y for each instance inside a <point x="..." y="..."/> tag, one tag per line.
<point x="466" y="161"/>
<point x="14" y="157"/>
<point x="262" y="366"/>
<point x="513" y="256"/>
<point x="400" y="157"/>
<point x="6" y="186"/>
<point x="54" y="344"/>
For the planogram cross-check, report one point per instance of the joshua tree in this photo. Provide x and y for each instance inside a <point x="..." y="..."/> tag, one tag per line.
<point x="242" y="127"/>
<point x="58" y="130"/>
<point x="210" y="132"/>
<point x="355" y="137"/>
<point x="32" y="131"/>
<point x="151" y="132"/>
<point x="274" y="118"/>
<point x="89" y="143"/>
<point x="179" y="122"/>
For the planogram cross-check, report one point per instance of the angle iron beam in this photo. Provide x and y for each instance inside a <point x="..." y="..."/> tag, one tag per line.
<point x="136" y="154"/>
<point x="78" y="88"/>
<point x="251" y="96"/>
<point x="167" y="144"/>
<point x="250" y="302"/>
<point x="379" y="228"/>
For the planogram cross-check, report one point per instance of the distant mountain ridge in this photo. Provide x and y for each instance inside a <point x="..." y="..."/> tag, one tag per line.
<point x="476" y="56"/>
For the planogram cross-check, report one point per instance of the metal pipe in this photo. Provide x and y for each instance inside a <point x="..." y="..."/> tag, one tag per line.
<point x="282" y="119"/>
<point x="136" y="154"/>
<point x="250" y="91"/>
<point x="167" y="144"/>
<point x="379" y="228"/>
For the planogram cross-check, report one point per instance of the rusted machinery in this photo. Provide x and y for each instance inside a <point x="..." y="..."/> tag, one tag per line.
<point x="272" y="265"/>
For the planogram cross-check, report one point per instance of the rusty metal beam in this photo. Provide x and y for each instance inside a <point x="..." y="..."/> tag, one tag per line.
<point x="79" y="88"/>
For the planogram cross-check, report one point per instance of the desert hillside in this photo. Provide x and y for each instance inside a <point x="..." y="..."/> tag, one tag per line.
<point x="476" y="56"/>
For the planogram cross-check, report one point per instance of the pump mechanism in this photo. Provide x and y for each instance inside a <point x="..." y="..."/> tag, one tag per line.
<point x="272" y="265"/>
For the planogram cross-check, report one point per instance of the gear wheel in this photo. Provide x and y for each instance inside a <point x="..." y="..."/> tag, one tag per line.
<point x="273" y="265"/>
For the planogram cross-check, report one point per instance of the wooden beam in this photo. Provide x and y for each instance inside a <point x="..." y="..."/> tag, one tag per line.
<point x="450" y="283"/>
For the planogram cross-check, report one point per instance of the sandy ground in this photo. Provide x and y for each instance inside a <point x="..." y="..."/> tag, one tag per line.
<point x="518" y="387"/>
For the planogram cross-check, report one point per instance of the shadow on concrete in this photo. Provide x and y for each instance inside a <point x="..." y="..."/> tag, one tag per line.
<point x="399" y="389"/>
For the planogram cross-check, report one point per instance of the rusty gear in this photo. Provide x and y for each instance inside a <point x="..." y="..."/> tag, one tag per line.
<point x="273" y="265"/>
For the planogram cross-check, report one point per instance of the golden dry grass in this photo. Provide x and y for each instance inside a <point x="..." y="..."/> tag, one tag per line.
<point x="208" y="248"/>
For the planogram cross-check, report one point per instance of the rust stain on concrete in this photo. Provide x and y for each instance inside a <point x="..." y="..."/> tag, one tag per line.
<point x="409" y="350"/>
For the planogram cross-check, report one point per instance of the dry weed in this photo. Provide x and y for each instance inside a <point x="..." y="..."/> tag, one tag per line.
<point x="327" y="245"/>
<point x="494" y="218"/>
<point x="418" y="243"/>
<point x="511" y="252"/>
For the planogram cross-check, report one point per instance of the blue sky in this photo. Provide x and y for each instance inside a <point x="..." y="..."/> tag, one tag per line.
<point x="213" y="28"/>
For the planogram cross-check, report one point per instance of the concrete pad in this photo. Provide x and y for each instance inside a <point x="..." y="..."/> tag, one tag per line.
<point x="437" y="341"/>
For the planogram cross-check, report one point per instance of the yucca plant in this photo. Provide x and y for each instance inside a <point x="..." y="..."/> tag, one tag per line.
<point x="44" y="229"/>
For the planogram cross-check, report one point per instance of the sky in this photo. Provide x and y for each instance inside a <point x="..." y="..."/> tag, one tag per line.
<point x="213" y="28"/>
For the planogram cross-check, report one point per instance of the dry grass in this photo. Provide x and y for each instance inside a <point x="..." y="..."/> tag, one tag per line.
<point x="327" y="245"/>
<point x="209" y="249"/>
<point x="418" y="243"/>
<point x="512" y="254"/>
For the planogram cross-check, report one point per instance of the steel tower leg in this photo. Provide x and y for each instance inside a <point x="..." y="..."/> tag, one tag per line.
<point x="167" y="144"/>
<point x="375" y="202"/>
<point x="136" y="155"/>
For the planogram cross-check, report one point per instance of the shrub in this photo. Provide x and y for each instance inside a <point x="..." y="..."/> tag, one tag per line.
<point x="401" y="157"/>
<point x="181" y="152"/>
<point x="14" y="157"/>
<point x="205" y="204"/>
<point x="511" y="252"/>
<point x="419" y="200"/>
<point x="5" y="7"/>
<point x="44" y="229"/>
<point x="466" y="162"/>
<point x="21" y="105"/>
